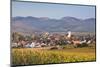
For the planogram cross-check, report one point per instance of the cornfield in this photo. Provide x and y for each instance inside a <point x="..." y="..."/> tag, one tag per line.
<point x="26" y="56"/>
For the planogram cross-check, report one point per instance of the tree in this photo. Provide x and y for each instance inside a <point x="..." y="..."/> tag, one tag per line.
<point x="17" y="37"/>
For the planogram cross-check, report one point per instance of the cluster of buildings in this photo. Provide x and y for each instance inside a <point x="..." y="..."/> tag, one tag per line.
<point x="52" y="39"/>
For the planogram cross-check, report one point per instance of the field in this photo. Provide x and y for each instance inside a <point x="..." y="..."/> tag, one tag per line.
<point x="26" y="56"/>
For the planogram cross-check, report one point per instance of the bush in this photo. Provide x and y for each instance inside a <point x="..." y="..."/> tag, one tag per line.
<point x="82" y="45"/>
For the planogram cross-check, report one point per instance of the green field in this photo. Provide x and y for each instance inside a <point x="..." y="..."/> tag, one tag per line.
<point x="26" y="56"/>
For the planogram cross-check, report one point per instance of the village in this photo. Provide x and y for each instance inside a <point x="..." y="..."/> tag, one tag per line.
<point x="54" y="40"/>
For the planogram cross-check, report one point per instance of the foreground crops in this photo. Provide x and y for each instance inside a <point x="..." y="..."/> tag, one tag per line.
<point x="26" y="56"/>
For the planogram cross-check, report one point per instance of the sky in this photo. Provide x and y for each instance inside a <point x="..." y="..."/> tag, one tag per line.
<point x="56" y="11"/>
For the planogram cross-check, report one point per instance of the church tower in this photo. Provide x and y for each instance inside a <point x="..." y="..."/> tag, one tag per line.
<point x="69" y="34"/>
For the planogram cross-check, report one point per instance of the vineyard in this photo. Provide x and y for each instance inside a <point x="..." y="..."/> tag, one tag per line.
<point x="26" y="56"/>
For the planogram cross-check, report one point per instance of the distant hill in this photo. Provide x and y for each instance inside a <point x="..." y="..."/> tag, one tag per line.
<point x="31" y="24"/>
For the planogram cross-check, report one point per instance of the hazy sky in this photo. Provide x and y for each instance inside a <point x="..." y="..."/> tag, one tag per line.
<point x="51" y="10"/>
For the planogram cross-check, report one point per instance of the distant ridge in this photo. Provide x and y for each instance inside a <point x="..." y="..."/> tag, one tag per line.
<point x="35" y="24"/>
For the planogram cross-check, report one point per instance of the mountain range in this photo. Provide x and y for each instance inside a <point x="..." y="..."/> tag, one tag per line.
<point x="31" y="24"/>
